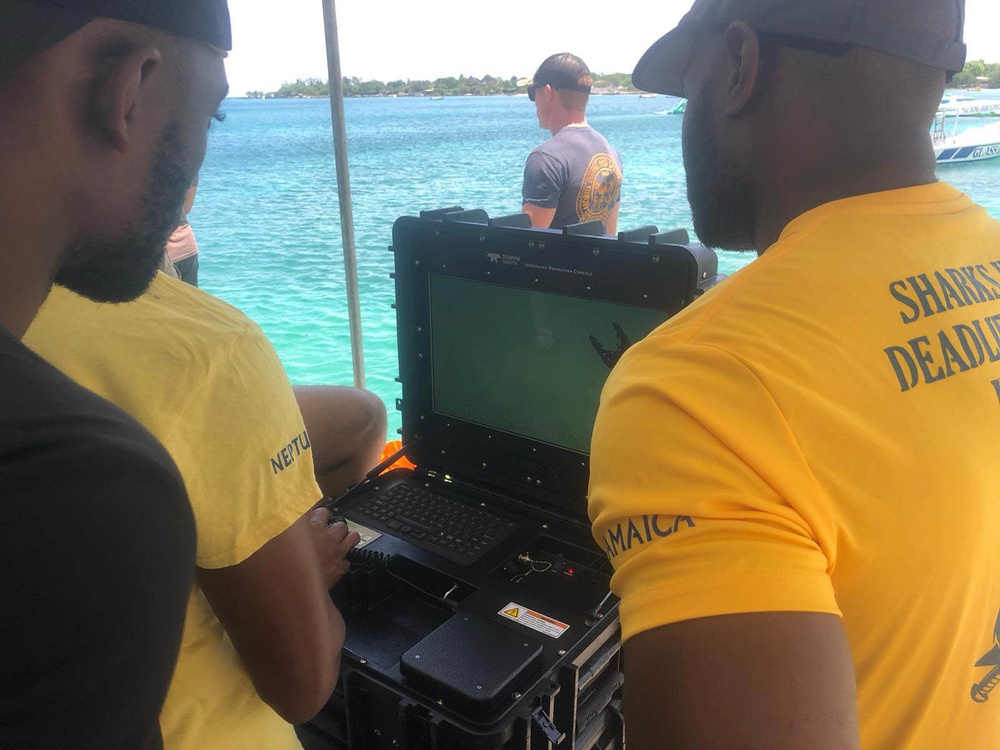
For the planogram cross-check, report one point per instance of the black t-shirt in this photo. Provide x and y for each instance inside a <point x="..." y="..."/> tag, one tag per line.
<point x="97" y="546"/>
<point x="576" y="172"/>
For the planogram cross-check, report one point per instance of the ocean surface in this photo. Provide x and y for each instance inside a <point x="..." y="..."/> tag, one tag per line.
<point x="268" y="224"/>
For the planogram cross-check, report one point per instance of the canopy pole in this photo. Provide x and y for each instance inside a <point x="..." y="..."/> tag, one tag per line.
<point x="344" y="189"/>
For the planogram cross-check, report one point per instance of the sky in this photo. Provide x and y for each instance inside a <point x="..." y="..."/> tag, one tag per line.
<point x="400" y="39"/>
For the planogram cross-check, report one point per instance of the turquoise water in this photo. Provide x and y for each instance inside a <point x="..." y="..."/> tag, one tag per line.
<point x="267" y="218"/>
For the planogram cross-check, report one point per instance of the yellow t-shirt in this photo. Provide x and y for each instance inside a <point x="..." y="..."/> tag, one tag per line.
<point x="821" y="433"/>
<point x="205" y="381"/>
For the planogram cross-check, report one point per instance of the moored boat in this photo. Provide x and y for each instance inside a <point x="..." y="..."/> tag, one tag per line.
<point x="970" y="145"/>
<point x="968" y="106"/>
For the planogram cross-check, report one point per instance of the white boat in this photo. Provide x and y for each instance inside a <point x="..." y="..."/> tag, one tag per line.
<point x="967" y="106"/>
<point x="970" y="145"/>
<point x="648" y="96"/>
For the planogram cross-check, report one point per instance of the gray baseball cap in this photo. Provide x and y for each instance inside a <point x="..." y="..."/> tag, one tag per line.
<point x="30" y="26"/>
<point x="830" y="22"/>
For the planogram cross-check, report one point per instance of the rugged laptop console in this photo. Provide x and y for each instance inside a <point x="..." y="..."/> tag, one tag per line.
<point x="477" y="575"/>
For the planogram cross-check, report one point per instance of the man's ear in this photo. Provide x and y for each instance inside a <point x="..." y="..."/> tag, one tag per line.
<point x="742" y="45"/>
<point x="122" y="86"/>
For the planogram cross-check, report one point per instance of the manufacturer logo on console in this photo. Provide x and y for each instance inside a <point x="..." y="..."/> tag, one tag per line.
<point x="502" y="259"/>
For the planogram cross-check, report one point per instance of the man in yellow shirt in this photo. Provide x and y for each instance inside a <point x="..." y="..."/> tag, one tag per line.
<point x="796" y="478"/>
<point x="262" y="639"/>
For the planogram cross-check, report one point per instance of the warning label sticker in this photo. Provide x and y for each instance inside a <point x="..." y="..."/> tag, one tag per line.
<point x="534" y="620"/>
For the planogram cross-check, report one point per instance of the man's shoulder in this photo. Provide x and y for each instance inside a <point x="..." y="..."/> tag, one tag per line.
<point x="587" y="133"/>
<point x="566" y="144"/>
<point x="573" y="141"/>
<point x="171" y="317"/>
<point x="33" y="392"/>
<point x="601" y="143"/>
<point x="191" y="309"/>
<point x="174" y="351"/>
<point x="598" y="136"/>
<point x="823" y="268"/>
<point x="168" y="300"/>
<point x="549" y="150"/>
<point x="46" y="416"/>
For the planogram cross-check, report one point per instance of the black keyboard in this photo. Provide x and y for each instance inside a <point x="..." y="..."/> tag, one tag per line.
<point x="454" y="530"/>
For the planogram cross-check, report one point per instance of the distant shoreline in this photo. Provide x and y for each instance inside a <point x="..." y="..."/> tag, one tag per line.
<point x="977" y="75"/>
<point x="488" y="85"/>
<point x="269" y="97"/>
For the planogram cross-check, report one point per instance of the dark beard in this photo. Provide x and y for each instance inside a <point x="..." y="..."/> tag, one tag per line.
<point x="122" y="269"/>
<point x="722" y="203"/>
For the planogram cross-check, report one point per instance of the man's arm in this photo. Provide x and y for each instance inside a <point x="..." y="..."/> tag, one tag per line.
<point x="612" y="226"/>
<point x="97" y="552"/>
<point x="543" y="183"/>
<point x="540" y="217"/>
<point x="276" y="607"/>
<point x="733" y="633"/>
<point x="346" y="427"/>
<point x="777" y="680"/>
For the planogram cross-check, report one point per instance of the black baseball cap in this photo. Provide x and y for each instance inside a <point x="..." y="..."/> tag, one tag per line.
<point x="563" y="71"/>
<point x="835" y="22"/>
<point x="30" y="26"/>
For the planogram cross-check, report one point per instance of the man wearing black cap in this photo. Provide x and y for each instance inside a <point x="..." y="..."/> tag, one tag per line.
<point x="796" y="477"/>
<point x="104" y="108"/>
<point x="576" y="175"/>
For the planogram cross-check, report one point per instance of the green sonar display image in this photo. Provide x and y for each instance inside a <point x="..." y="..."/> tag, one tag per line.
<point x="526" y="362"/>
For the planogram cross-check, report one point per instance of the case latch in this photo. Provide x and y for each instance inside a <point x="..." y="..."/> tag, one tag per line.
<point x="543" y="722"/>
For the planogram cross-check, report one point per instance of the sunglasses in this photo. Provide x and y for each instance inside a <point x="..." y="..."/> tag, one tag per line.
<point x="533" y="88"/>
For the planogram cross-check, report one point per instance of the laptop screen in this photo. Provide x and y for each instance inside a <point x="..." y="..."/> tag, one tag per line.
<point x="526" y="362"/>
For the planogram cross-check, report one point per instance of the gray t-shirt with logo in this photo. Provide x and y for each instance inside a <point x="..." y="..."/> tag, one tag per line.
<point x="576" y="172"/>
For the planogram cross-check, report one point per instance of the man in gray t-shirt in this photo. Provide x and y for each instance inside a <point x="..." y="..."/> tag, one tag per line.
<point x="576" y="175"/>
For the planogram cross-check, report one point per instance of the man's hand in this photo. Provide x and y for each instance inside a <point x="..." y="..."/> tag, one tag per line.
<point x="276" y="608"/>
<point x="333" y="542"/>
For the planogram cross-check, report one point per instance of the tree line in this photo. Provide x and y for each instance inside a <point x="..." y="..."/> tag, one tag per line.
<point x="974" y="71"/>
<point x="450" y="86"/>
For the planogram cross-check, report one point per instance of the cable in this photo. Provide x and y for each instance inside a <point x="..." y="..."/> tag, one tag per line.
<point x="525" y="558"/>
<point x="437" y="597"/>
<point x="595" y="615"/>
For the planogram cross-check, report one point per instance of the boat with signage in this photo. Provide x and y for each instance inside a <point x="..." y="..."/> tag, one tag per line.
<point x="974" y="144"/>
<point x="968" y="106"/>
